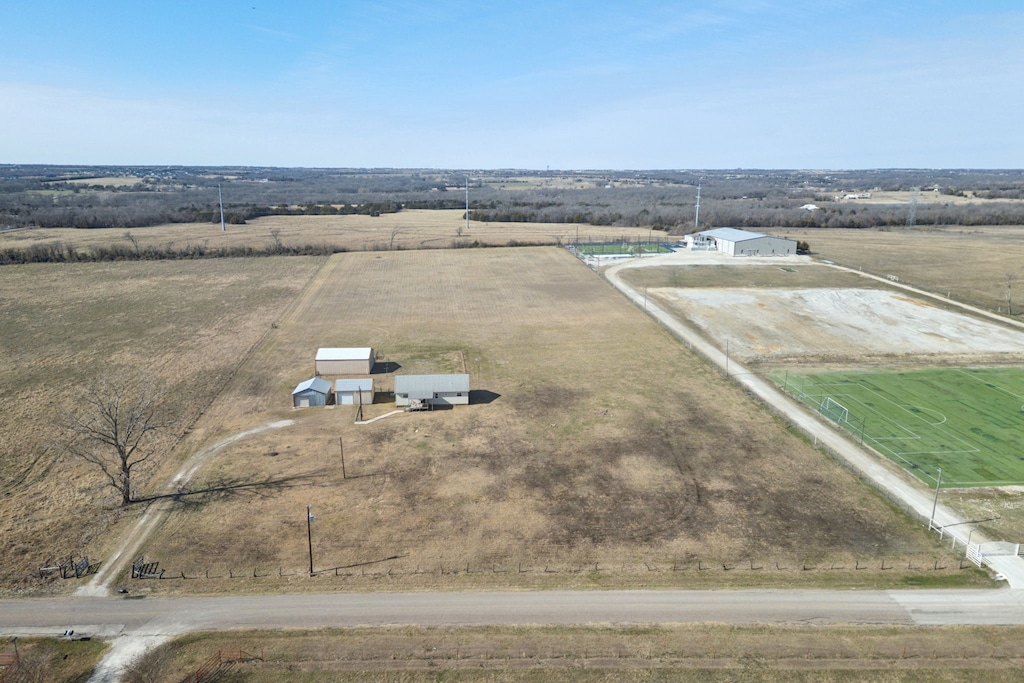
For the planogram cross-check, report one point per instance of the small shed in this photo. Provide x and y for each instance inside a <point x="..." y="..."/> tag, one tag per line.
<point x="348" y="392"/>
<point x="312" y="392"/>
<point x="344" y="361"/>
<point x="420" y="391"/>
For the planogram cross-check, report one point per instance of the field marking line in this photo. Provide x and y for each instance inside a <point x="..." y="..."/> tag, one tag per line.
<point x="916" y="436"/>
<point x="158" y="510"/>
<point x="990" y="384"/>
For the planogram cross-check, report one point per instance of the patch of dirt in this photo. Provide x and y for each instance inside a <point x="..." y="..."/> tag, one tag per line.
<point x="840" y="322"/>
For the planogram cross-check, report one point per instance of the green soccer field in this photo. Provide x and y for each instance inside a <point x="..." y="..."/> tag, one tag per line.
<point x="969" y="422"/>
<point x="623" y="248"/>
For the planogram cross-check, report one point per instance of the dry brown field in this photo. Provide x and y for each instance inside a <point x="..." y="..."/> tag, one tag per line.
<point x="186" y="324"/>
<point x="973" y="262"/>
<point x="410" y="229"/>
<point x="968" y="264"/>
<point x="107" y="181"/>
<point x="598" y="452"/>
<point x="923" y="197"/>
<point x="609" y="653"/>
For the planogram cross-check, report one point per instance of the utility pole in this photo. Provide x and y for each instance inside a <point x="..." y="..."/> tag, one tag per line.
<point x="467" y="204"/>
<point x="309" y="537"/>
<point x="341" y="442"/>
<point x="220" y="197"/>
<point x="696" y="218"/>
<point x="935" y="503"/>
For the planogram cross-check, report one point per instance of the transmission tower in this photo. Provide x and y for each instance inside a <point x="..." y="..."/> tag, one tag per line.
<point x="912" y="214"/>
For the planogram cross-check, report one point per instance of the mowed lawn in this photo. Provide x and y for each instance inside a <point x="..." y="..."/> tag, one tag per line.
<point x="598" y="451"/>
<point x="967" y="421"/>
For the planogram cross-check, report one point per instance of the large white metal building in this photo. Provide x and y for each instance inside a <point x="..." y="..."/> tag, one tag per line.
<point x="431" y="390"/>
<point x="737" y="242"/>
<point x="341" y="361"/>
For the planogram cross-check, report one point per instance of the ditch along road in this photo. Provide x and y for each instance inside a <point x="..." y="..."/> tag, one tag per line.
<point x="886" y="477"/>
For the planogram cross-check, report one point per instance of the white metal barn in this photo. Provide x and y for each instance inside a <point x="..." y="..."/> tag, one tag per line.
<point x="312" y="392"/>
<point x="338" y="361"/>
<point x="743" y="243"/>
<point x="419" y="391"/>
<point x="349" y="392"/>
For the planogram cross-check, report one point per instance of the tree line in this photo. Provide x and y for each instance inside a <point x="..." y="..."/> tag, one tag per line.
<point x="54" y="196"/>
<point x="61" y="252"/>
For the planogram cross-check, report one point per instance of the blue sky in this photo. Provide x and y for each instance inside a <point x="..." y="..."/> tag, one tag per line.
<point x="517" y="84"/>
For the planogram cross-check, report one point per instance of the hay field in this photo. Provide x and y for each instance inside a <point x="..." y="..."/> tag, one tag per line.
<point x="185" y="323"/>
<point x="970" y="264"/>
<point x="599" y="452"/>
<point x="409" y="229"/>
<point x="699" y="653"/>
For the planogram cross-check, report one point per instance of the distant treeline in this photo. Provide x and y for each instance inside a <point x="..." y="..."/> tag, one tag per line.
<point x="52" y="196"/>
<point x="60" y="252"/>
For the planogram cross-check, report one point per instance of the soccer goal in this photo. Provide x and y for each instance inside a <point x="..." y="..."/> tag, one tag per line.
<point x="834" y="410"/>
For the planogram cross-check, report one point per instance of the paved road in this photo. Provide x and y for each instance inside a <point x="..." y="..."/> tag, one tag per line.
<point x="118" y="616"/>
<point x="886" y="477"/>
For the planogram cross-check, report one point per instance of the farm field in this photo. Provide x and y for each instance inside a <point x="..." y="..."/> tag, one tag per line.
<point x="971" y="264"/>
<point x="966" y="421"/>
<point x="185" y="324"/>
<point x="596" y="453"/>
<point x="408" y="229"/>
<point x="608" y="653"/>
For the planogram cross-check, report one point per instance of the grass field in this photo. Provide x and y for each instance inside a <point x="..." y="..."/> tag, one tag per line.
<point x="632" y="248"/>
<point x="965" y="421"/>
<point x="566" y="477"/>
<point x="409" y="229"/>
<point x="970" y="264"/>
<point x="659" y="474"/>
<point x="707" y="652"/>
<point x="183" y="324"/>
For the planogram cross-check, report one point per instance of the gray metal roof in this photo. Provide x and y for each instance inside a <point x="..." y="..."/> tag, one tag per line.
<point x="425" y="386"/>
<point x="354" y="384"/>
<point x="732" y="234"/>
<point x="317" y="384"/>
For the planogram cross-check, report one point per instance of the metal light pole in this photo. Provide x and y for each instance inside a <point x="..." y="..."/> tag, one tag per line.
<point x="309" y="537"/>
<point x="15" y="641"/>
<point x="969" y="537"/>
<point x="935" y="502"/>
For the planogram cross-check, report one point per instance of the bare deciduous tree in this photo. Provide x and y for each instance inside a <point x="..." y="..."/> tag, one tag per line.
<point x="111" y="425"/>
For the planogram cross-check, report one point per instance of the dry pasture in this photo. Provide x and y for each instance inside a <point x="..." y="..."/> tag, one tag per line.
<point x="409" y="229"/>
<point x="607" y="653"/>
<point x="971" y="265"/>
<point x="598" y="452"/>
<point x="186" y="324"/>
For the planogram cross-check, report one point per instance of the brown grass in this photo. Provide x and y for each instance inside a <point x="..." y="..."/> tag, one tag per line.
<point x="607" y="447"/>
<point x="413" y="229"/>
<point x="630" y="653"/>
<point x="187" y="324"/>
<point x="970" y="264"/>
<point x="52" y="660"/>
